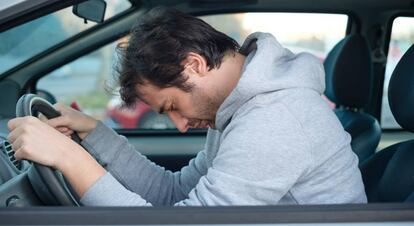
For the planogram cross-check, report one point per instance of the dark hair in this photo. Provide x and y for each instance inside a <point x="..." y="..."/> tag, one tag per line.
<point x="158" y="44"/>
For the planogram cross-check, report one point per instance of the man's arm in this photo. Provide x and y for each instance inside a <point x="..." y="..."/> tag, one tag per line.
<point x="138" y="174"/>
<point x="133" y="170"/>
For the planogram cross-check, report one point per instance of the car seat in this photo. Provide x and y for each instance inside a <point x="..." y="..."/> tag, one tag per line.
<point x="348" y="69"/>
<point x="389" y="174"/>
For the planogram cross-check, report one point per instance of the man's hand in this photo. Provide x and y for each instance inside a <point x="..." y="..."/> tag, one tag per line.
<point x="71" y="120"/>
<point x="35" y="140"/>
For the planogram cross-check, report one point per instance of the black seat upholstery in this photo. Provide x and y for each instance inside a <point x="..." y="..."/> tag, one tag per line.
<point x="410" y="198"/>
<point x="348" y="68"/>
<point x="389" y="174"/>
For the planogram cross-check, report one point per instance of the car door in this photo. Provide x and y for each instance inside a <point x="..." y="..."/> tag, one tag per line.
<point x="44" y="72"/>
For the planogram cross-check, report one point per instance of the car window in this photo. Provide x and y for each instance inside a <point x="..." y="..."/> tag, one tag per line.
<point x="18" y="44"/>
<point x="315" y="33"/>
<point x="87" y="80"/>
<point x="402" y="37"/>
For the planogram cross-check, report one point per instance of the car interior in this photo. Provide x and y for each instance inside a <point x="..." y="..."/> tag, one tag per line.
<point x="366" y="47"/>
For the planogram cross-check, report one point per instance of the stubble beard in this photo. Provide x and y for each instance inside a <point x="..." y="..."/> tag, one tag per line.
<point x="206" y="106"/>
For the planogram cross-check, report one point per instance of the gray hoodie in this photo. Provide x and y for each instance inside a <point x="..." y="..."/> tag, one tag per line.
<point x="276" y="142"/>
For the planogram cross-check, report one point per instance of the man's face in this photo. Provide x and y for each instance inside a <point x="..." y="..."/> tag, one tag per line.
<point x="197" y="108"/>
<point x="194" y="109"/>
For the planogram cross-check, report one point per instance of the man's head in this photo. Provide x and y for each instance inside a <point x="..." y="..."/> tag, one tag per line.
<point x="179" y="65"/>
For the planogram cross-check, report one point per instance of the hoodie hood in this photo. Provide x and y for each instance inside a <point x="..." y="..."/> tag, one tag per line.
<point x="270" y="68"/>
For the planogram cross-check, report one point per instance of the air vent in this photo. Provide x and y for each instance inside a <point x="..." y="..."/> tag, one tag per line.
<point x="7" y="148"/>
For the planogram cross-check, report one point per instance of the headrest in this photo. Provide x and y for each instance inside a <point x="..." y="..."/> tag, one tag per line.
<point x="401" y="91"/>
<point x="348" y="69"/>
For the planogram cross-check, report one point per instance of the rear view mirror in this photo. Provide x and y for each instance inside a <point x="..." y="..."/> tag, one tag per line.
<point x="93" y="10"/>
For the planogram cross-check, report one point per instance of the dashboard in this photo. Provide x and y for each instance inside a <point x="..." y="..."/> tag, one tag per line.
<point x="9" y="166"/>
<point x="15" y="187"/>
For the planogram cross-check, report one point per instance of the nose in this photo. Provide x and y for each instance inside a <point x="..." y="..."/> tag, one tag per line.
<point x="179" y="121"/>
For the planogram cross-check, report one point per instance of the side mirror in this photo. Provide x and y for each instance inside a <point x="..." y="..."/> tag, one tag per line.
<point x="93" y="10"/>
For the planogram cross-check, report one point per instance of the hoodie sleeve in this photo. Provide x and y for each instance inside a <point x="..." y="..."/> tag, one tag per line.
<point x="133" y="173"/>
<point x="257" y="164"/>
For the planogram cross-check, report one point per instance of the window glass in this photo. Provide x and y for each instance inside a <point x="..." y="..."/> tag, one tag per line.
<point x="85" y="83"/>
<point x="27" y="40"/>
<point x="402" y="37"/>
<point x="85" y="80"/>
<point x="310" y="32"/>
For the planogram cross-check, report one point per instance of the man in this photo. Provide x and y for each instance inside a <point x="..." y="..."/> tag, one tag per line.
<point x="272" y="138"/>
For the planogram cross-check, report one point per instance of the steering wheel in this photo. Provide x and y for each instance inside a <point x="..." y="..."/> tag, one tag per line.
<point x="50" y="185"/>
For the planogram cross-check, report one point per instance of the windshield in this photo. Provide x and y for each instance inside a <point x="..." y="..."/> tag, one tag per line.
<point x="27" y="40"/>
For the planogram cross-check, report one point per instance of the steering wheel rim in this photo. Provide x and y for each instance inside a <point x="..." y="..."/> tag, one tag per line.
<point x="48" y="183"/>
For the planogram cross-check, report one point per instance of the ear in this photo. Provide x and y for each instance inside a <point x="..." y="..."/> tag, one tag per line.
<point x="195" y="64"/>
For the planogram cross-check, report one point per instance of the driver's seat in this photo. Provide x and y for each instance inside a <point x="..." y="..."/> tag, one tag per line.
<point x="389" y="174"/>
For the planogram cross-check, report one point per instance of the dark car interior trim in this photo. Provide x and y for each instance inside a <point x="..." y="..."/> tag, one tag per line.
<point x="208" y="215"/>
